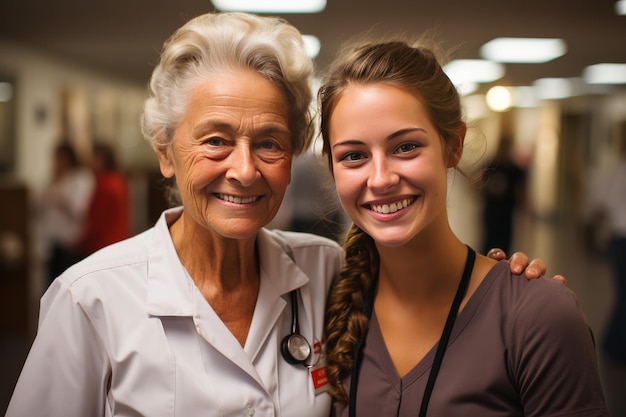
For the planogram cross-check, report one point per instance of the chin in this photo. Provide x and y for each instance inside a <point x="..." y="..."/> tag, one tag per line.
<point x="390" y="240"/>
<point x="240" y="232"/>
<point x="390" y="243"/>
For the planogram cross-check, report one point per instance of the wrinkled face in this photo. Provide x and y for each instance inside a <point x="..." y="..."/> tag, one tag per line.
<point x="388" y="162"/>
<point x="231" y="154"/>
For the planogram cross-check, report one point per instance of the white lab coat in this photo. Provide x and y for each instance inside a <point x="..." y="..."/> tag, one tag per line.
<point x="127" y="333"/>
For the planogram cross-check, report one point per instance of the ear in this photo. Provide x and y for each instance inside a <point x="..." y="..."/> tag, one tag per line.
<point x="165" y="161"/>
<point x="456" y="148"/>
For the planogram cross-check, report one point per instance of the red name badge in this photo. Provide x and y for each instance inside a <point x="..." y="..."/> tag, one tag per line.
<point x="320" y="380"/>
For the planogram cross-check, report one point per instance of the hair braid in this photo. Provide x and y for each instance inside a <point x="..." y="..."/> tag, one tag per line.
<point x="346" y="323"/>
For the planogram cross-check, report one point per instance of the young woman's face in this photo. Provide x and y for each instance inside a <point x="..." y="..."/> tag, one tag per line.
<point x="231" y="154"/>
<point x="388" y="163"/>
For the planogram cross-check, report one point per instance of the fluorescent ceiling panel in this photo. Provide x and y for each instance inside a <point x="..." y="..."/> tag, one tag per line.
<point x="620" y="7"/>
<point x="466" y="88"/>
<point x="553" y="88"/>
<point x="605" y="74"/>
<point x="526" y="96"/>
<point x="271" y="6"/>
<point x="523" y="50"/>
<point x="6" y="92"/>
<point x="312" y="45"/>
<point x="462" y="71"/>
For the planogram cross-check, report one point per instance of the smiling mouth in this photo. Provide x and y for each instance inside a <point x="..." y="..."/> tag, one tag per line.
<point x="237" y="200"/>
<point x="392" y="207"/>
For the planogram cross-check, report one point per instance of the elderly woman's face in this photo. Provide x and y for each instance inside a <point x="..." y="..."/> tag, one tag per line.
<point x="231" y="154"/>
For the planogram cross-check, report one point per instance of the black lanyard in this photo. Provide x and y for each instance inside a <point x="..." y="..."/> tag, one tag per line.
<point x="441" y="348"/>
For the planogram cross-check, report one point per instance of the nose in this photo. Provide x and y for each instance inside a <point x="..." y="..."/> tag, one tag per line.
<point x="243" y="165"/>
<point x="382" y="175"/>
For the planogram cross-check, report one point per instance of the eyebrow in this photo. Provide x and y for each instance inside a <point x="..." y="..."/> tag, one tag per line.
<point x="394" y="135"/>
<point x="229" y="128"/>
<point x="201" y="127"/>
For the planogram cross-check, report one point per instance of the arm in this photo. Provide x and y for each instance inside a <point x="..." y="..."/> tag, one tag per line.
<point x="65" y="374"/>
<point x="519" y="261"/>
<point x="551" y="354"/>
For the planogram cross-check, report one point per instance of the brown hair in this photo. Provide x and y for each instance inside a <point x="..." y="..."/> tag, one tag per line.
<point x="417" y="69"/>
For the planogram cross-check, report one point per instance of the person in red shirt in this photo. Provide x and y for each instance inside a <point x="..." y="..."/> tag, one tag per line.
<point x="108" y="217"/>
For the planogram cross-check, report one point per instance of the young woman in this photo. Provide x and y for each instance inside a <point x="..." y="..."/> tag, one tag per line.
<point x="418" y="323"/>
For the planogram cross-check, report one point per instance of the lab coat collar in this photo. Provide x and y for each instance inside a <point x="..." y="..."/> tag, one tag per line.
<point x="278" y="263"/>
<point x="170" y="291"/>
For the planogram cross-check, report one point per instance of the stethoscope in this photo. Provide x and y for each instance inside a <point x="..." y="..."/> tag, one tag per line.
<point x="294" y="347"/>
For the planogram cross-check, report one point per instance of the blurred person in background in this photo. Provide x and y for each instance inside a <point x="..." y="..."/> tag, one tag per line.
<point x="108" y="215"/>
<point x="605" y="207"/>
<point x="62" y="210"/>
<point x="503" y="192"/>
<point x="208" y="312"/>
<point x="315" y="208"/>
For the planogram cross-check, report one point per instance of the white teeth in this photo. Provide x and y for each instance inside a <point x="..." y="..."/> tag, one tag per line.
<point x="393" y="207"/>
<point x="236" y="200"/>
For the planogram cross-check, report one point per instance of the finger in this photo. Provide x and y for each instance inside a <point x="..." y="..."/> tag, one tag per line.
<point x="536" y="268"/>
<point x="561" y="279"/>
<point x="518" y="261"/>
<point x="497" y="254"/>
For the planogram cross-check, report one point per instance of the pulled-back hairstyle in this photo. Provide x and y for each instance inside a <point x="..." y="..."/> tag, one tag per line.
<point x="416" y="69"/>
<point x="216" y="43"/>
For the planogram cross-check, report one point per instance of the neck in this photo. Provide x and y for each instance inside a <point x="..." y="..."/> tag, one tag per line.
<point x="226" y="271"/>
<point x="422" y="270"/>
<point x="216" y="264"/>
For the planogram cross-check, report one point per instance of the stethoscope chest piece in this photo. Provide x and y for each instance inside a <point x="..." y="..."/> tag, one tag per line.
<point x="294" y="347"/>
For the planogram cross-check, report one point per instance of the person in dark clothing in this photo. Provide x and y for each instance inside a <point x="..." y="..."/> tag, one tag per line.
<point x="503" y="192"/>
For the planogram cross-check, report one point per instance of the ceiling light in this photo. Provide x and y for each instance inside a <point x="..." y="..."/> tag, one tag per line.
<point x="620" y="7"/>
<point x="462" y="71"/>
<point x="6" y="92"/>
<point x="499" y="98"/>
<point x="523" y="50"/>
<point x="312" y="45"/>
<point x="466" y="88"/>
<point x="526" y="96"/>
<point x="605" y="74"/>
<point x="271" y="6"/>
<point x="553" y="88"/>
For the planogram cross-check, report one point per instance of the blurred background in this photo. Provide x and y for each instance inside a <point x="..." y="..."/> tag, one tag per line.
<point x="549" y="131"/>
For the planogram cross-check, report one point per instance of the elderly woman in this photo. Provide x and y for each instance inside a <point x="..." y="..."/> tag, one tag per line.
<point x="208" y="312"/>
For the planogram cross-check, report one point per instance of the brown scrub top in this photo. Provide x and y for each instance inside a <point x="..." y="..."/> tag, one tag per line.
<point x="519" y="348"/>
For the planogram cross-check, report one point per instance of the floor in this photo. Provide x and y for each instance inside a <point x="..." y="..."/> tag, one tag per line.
<point x="557" y="242"/>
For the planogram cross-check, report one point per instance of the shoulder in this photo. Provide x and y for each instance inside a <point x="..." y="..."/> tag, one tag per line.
<point x="541" y="294"/>
<point x="114" y="257"/>
<point x="544" y="332"/>
<point x="314" y="255"/>
<point x="539" y="307"/>
<point x="299" y="241"/>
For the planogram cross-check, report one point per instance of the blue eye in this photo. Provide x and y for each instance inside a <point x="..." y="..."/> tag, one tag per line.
<point x="215" y="141"/>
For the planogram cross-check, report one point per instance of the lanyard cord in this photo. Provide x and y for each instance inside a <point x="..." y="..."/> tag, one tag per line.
<point x="441" y="347"/>
<point x="358" y="350"/>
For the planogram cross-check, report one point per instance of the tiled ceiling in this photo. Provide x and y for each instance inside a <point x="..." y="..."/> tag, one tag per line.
<point x="123" y="37"/>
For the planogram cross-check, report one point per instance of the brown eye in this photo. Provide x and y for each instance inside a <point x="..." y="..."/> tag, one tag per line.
<point x="406" y="147"/>
<point x="269" y="145"/>
<point x="352" y="156"/>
